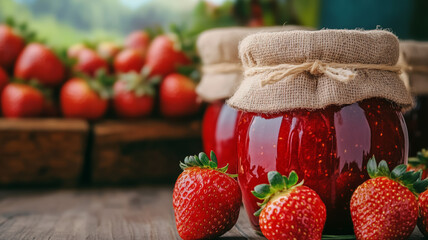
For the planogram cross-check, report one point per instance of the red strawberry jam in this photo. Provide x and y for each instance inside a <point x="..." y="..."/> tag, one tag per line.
<point x="328" y="147"/>
<point x="219" y="134"/>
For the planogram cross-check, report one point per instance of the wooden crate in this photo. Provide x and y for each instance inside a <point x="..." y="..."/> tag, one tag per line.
<point x="145" y="151"/>
<point x="36" y="152"/>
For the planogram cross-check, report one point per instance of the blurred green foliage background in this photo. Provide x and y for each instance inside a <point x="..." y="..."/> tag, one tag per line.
<point x="64" y="22"/>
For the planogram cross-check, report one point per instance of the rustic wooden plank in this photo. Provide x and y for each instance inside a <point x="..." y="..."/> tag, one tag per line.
<point x="148" y="129"/>
<point x="140" y="213"/>
<point x="43" y="124"/>
<point x="42" y="151"/>
<point x="141" y="161"/>
<point x="142" y="151"/>
<point x="242" y="229"/>
<point x="89" y="214"/>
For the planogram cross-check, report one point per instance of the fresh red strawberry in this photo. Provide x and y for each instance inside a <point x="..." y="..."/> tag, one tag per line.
<point x="133" y="95"/>
<point x="38" y="62"/>
<point x="108" y="50"/>
<point x="177" y="96"/>
<point x="10" y="46"/>
<point x="138" y="40"/>
<point x="4" y="80"/>
<point x="419" y="163"/>
<point x="21" y="100"/>
<point x="74" y="50"/>
<point x="423" y="213"/>
<point x="206" y="200"/>
<point x="81" y="98"/>
<point x="129" y="60"/>
<point x="164" y="56"/>
<point x="385" y="206"/>
<point x="289" y="210"/>
<point x="89" y="62"/>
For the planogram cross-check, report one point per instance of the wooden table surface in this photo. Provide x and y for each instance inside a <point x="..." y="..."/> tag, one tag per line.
<point x="134" y="213"/>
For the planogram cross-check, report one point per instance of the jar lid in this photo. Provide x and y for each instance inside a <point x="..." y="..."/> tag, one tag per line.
<point x="414" y="55"/>
<point x="315" y="69"/>
<point x="222" y="69"/>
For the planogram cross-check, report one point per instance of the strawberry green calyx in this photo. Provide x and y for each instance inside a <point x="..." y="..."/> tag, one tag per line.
<point x="278" y="184"/>
<point x="61" y="53"/>
<point x="202" y="161"/>
<point x="22" y="29"/>
<point x="140" y="83"/>
<point x="410" y="179"/>
<point x="420" y="159"/>
<point x="102" y="83"/>
<point x="46" y="92"/>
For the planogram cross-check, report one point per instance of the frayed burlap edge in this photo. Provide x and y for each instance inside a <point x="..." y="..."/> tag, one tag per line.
<point x="338" y="94"/>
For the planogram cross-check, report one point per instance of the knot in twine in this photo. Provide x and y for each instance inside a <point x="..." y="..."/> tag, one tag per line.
<point x="222" y="68"/>
<point x="338" y="71"/>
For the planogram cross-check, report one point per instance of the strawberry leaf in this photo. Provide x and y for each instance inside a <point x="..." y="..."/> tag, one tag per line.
<point x="101" y="84"/>
<point x="224" y="169"/>
<point x="202" y="155"/>
<point x="189" y="161"/>
<point x="292" y="179"/>
<point x="213" y="164"/>
<point x="421" y="185"/>
<point x="398" y="171"/>
<point x="24" y="31"/>
<point x="182" y="166"/>
<point x="262" y="191"/>
<point x="139" y="83"/>
<point x="257" y="213"/>
<point x="410" y="177"/>
<point x="202" y="161"/>
<point x="198" y="161"/>
<point x="372" y="167"/>
<point x="204" y="158"/>
<point x="213" y="157"/>
<point x="276" y="180"/>
<point x="421" y="160"/>
<point x="383" y="169"/>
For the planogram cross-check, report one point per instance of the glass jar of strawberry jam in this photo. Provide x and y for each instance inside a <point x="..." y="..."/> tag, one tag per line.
<point x="415" y="56"/>
<point x="320" y="103"/>
<point x="222" y="73"/>
<point x="328" y="148"/>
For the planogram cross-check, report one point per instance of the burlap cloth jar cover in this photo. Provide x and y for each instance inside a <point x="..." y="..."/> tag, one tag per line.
<point x="414" y="56"/>
<point x="322" y="68"/>
<point x="222" y="69"/>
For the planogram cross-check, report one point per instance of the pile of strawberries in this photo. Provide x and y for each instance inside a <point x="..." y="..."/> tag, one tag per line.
<point x="388" y="206"/>
<point x="85" y="82"/>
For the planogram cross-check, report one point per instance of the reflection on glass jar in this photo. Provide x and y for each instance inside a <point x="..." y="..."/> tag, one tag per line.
<point x="328" y="148"/>
<point x="219" y="134"/>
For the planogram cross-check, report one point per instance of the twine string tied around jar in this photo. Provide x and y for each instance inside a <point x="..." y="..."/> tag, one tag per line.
<point x="342" y="72"/>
